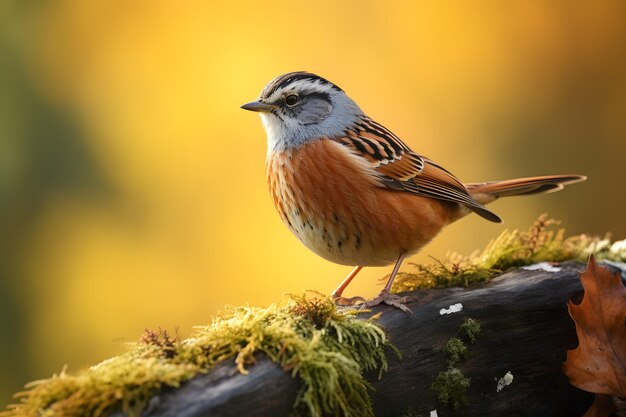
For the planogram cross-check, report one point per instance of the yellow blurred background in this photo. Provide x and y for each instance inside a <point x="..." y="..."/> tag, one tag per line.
<point x="132" y="187"/>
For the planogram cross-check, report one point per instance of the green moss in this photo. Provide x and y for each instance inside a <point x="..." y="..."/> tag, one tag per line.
<point x="451" y="387"/>
<point x="327" y="349"/>
<point x="512" y="249"/>
<point x="470" y="330"/>
<point x="456" y="350"/>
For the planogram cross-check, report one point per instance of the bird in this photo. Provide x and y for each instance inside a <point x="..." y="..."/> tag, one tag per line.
<point x="356" y="194"/>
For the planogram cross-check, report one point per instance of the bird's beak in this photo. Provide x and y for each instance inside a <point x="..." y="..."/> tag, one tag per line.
<point x="258" y="106"/>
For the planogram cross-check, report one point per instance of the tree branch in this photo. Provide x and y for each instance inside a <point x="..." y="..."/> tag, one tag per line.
<point x="526" y="330"/>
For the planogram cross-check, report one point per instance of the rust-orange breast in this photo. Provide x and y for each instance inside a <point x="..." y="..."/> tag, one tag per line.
<point x="334" y="203"/>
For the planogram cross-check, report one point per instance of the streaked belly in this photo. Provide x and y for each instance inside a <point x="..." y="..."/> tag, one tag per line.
<point x="340" y="212"/>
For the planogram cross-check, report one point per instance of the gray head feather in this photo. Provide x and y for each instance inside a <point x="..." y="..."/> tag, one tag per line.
<point x="307" y="108"/>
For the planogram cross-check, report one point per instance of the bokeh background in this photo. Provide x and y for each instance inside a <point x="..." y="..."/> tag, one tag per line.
<point x="132" y="187"/>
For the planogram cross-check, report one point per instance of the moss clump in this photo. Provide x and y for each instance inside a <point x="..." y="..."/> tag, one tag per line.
<point x="451" y="387"/>
<point x="456" y="350"/>
<point x="470" y="330"/>
<point x="327" y="349"/>
<point x="162" y="340"/>
<point x="512" y="249"/>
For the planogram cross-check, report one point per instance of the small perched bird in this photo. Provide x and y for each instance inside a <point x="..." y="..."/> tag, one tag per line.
<point x="352" y="191"/>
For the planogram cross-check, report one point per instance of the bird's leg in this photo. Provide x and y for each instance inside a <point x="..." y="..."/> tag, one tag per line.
<point x="343" y="301"/>
<point x="386" y="296"/>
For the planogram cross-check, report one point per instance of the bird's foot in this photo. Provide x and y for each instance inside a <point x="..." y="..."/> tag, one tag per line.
<point x="347" y="301"/>
<point x="385" y="297"/>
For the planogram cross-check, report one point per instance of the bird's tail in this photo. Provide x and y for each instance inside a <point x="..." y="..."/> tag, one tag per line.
<point x="486" y="192"/>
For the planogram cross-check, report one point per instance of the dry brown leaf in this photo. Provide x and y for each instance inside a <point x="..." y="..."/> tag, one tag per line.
<point x="602" y="406"/>
<point x="598" y="364"/>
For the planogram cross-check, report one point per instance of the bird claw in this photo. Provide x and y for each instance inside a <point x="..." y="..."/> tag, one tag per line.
<point x="385" y="297"/>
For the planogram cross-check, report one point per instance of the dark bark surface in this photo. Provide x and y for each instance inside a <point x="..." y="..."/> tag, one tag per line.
<point x="526" y="330"/>
<point x="266" y="391"/>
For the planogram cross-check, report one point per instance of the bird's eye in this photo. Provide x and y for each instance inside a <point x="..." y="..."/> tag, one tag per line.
<point x="291" y="100"/>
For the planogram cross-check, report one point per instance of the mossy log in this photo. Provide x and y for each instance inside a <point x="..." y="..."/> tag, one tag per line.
<point x="526" y="330"/>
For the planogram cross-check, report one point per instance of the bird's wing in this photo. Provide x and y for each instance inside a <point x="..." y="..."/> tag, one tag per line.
<point x="402" y="169"/>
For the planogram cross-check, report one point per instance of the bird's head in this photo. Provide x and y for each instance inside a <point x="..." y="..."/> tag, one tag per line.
<point x="300" y="107"/>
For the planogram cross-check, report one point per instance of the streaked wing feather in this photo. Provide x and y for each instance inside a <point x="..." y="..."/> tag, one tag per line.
<point x="384" y="150"/>
<point x="436" y="182"/>
<point x="402" y="169"/>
